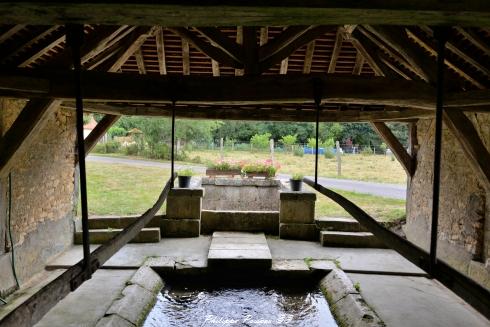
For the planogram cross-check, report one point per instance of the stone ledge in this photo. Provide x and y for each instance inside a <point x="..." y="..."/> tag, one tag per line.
<point x="181" y="227"/>
<point x="346" y="302"/>
<point x="304" y="232"/>
<point x="297" y="196"/>
<point x="244" y="221"/>
<point x="148" y="279"/>
<point x="238" y="182"/>
<point x="198" y="192"/>
<point x="114" y="320"/>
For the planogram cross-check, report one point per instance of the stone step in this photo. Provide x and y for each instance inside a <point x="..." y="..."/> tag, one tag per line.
<point x="104" y="222"/>
<point x="99" y="236"/>
<point x="350" y="239"/>
<point x="340" y="224"/>
<point x="235" y="250"/>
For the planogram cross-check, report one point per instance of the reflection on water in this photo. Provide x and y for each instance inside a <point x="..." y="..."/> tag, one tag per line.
<point x="184" y="306"/>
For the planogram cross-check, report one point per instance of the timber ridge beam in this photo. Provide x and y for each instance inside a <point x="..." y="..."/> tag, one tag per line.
<point x="252" y="12"/>
<point x="231" y="90"/>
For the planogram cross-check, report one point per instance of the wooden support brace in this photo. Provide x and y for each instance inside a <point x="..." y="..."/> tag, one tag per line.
<point x="395" y="146"/>
<point x="100" y="129"/>
<point x="464" y="131"/>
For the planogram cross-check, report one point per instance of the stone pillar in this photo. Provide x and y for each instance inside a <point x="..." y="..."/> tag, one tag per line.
<point x="183" y="218"/>
<point x="297" y="216"/>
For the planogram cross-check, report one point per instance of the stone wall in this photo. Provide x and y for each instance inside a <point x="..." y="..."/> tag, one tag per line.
<point x="42" y="191"/>
<point x="464" y="216"/>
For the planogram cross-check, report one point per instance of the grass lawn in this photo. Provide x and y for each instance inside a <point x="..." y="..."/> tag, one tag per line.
<point x="369" y="168"/>
<point x="117" y="189"/>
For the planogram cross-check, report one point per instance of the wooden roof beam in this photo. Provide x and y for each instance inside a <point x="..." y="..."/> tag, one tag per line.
<point x="241" y="113"/>
<point x="13" y="29"/>
<point x="162" y="65"/>
<point x="29" y="43"/>
<point x="100" y="129"/>
<point x="464" y="131"/>
<point x="41" y="48"/>
<point x="339" y="38"/>
<point x="206" y="48"/>
<point x="285" y="51"/>
<point x="287" y="36"/>
<point x="239" y="40"/>
<point x="310" y="50"/>
<point x="358" y="64"/>
<point x="221" y="41"/>
<point x="395" y="146"/>
<point x="140" y="61"/>
<point x="250" y="50"/>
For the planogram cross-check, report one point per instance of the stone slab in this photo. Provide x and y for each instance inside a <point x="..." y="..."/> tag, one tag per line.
<point x="90" y="302"/>
<point x="184" y="207"/>
<point x="148" y="279"/>
<point x="350" y="239"/>
<point x="305" y="232"/>
<point x="118" y="222"/>
<point x="228" y="250"/>
<point x="7" y="281"/>
<point x="407" y="301"/>
<point x="297" y="196"/>
<point x="297" y="211"/>
<point x="186" y="192"/>
<point x="100" y="236"/>
<point x="341" y="224"/>
<point x="114" y="321"/>
<point x="241" y="182"/>
<point x="134" y="305"/>
<point x="246" y="221"/>
<point x="181" y="227"/>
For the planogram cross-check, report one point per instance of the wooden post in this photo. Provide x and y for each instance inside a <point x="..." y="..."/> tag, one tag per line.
<point x="339" y="160"/>
<point x="221" y="148"/>
<point x="271" y="144"/>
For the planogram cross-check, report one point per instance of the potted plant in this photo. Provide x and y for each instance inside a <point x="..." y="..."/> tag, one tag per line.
<point x="296" y="182"/>
<point x="184" y="177"/>
<point x="260" y="169"/>
<point x="224" y="168"/>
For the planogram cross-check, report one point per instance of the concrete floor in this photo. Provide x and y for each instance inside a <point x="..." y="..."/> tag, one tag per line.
<point x="404" y="301"/>
<point x="396" y="289"/>
<point x="89" y="302"/>
<point x="196" y="249"/>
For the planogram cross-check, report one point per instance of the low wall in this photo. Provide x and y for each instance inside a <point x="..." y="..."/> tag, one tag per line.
<point x="243" y="221"/>
<point x="239" y="194"/>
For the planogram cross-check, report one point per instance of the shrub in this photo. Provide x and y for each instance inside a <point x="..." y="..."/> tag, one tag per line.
<point x="260" y="141"/>
<point x="329" y="153"/>
<point x="131" y="149"/>
<point x="112" y="146"/>
<point x="288" y="140"/>
<point x="159" y="151"/>
<point x="181" y="156"/>
<point x="261" y="167"/>
<point x="116" y="131"/>
<point x="367" y="151"/>
<point x="383" y="148"/>
<point x="99" y="148"/>
<point x="298" y="152"/>
<point x="225" y="165"/>
<point x="196" y="159"/>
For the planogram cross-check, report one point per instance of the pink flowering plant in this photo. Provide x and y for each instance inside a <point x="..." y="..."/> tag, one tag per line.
<point x="223" y="165"/>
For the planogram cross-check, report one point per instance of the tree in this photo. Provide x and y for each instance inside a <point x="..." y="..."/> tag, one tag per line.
<point x="288" y="141"/>
<point x="260" y="141"/>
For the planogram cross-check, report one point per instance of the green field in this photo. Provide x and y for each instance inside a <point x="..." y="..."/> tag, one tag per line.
<point x="118" y="189"/>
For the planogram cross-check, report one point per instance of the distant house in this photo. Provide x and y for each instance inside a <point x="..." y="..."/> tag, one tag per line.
<point x="88" y="127"/>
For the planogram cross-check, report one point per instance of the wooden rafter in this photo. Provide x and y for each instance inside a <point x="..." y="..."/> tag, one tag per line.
<point x="10" y="32"/>
<point x="24" y="47"/>
<point x="423" y="42"/>
<point x="358" y="65"/>
<point x="398" y="40"/>
<point x="162" y="65"/>
<point x="283" y="40"/>
<point x="478" y="155"/>
<point x="140" y="61"/>
<point x="474" y="39"/>
<point x="264" y="35"/>
<point x="239" y="40"/>
<point x="104" y="37"/>
<point x="393" y="67"/>
<point x="221" y="41"/>
<point x="395" y="146"/>
<point x="22" y="132"/>
<point x="206" y="48"/>
<point x="339" y="38"/>
<point x="285" y="51"/>
<point x="368" y="52"/>
<point x="186" y="62"/>
<point x="310" y="50"/>
<point x="41" y="47"/>
<point x="460" y="53"/>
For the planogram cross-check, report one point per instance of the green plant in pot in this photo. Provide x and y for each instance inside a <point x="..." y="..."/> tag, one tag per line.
<point x="184" y="176"/>
<point x="296" y="182"/>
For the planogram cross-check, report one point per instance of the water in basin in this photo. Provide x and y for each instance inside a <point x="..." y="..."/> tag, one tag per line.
<point x="186" y="304"/>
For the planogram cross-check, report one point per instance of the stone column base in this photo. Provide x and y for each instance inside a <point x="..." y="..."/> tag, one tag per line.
<point x="181" y="227"/>
<point x="304" y="232"/>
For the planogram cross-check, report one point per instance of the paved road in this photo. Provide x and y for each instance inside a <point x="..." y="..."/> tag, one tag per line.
<point x="394" y="191"/>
